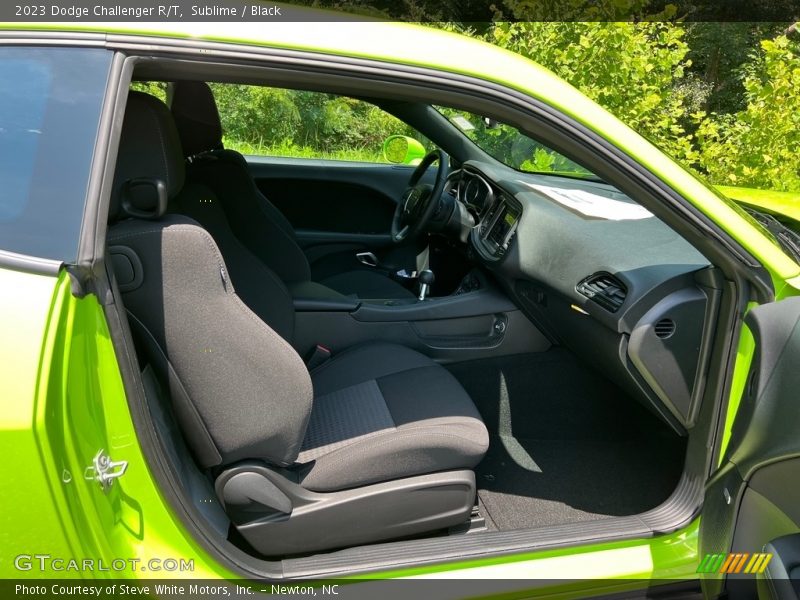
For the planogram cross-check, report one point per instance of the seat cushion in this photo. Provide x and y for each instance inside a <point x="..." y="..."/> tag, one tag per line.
<point x="384" y="412"/>
<point x="366" y="284"/>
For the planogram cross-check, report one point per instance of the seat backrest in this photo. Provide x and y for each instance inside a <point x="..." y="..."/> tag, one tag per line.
<point x="238" y="389"/>
<point x="259" y="225"/>
<point x="256" y="284"/>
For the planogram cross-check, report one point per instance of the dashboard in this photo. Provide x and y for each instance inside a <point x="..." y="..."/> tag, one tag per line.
<point x="598" y="273"/>
<point x="496" y="213"/>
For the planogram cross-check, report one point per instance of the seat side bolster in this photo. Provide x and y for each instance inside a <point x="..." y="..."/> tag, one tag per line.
<point x="391" y="455"/>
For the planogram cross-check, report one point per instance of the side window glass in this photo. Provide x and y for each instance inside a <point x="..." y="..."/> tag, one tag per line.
<point x="22" y="108"/>
<point x="50" y="104"/>
<point x="278" y="122"/>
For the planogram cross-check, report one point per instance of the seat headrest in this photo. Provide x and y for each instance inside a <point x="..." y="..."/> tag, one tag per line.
<point x="196" y="116"/>
<point x="149" y="150"/>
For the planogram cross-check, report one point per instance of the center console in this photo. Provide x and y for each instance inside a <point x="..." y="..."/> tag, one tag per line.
<point x="478" y="321"/>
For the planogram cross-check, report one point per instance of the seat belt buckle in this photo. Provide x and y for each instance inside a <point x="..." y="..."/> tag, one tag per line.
<point x="319" y="355"/>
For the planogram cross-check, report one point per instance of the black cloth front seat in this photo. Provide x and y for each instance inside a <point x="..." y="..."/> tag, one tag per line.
<point x="374" y="413"/>
<point x="254" y="219"/>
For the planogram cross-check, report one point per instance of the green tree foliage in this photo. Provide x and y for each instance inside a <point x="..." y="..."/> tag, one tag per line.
<point x="579" y="10"/>
<point x="759" y="146"/>
<point x="635" y="70"/>
<point x="154" y="88"/>
<point x="699" y="91"/>
<point x="263" y="120"/>
<point x="259" y="116"/>
<point x="717" y="52"/>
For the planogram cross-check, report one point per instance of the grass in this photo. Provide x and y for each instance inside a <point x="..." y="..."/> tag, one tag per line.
<point x="288" y="150"/>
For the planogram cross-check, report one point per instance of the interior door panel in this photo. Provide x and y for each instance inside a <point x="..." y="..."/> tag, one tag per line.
<point x="754" y="498"/>
<point x="338" y="208"/>
<point x="332" y="196"/>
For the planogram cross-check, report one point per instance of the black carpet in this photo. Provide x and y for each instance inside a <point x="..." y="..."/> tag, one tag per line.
<point x="566" y="444"/>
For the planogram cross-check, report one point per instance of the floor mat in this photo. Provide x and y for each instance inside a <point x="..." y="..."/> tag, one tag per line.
<point x="566" y="444"/>
<point x="575" y="481"/>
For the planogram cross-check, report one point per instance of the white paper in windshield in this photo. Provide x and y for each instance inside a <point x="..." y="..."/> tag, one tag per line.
<point x="462" y="123"/>
<point x="593" y="205"/>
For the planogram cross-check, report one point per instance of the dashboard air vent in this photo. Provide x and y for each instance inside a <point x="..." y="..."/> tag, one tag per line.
<point x="664" y="328"/>
<point x="605" y="289"/>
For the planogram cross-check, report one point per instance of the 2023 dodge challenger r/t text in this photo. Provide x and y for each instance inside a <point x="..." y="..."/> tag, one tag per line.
<point x="441" y="362"/>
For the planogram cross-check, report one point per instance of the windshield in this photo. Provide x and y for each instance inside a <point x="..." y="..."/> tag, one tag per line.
<point x="513" y="148"/>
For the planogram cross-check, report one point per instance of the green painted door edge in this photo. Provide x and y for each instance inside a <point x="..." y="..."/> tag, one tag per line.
<point x="81" y="408"/>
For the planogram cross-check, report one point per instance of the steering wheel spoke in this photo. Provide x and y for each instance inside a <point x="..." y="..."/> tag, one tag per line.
<point x="400" y="235"/>
<point x="418" y="203"/>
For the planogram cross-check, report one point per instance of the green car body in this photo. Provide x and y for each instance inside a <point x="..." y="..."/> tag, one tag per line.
<point x="64" y="398"/>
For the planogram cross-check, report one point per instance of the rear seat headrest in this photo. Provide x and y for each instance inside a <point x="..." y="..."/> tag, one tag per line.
<point x="149" y="151"/>
<point x="196" y="117"/>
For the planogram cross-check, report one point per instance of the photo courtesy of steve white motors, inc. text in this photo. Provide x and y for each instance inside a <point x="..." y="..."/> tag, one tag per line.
<point x="158" y="11"/>
<point x="173" y="590"/>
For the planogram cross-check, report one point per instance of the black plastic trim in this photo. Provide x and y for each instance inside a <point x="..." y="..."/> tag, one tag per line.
<point x="307" y="237"/>
<point x="89" y="266"/>
<point x="473" y="304"/>
<point x="396" y="555"/>
<point x="680" y="506"/>
<point x="278" y="516"/>
<point x="93" y="227"/>
<point x="326" y="305"/>
<point x="601" y="297"/>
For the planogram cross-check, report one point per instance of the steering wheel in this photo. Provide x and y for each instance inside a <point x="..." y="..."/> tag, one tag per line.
<point x="418" y="203"/>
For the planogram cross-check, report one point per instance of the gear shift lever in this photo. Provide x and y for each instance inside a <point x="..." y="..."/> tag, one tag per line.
<point x="426" y="279"/>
